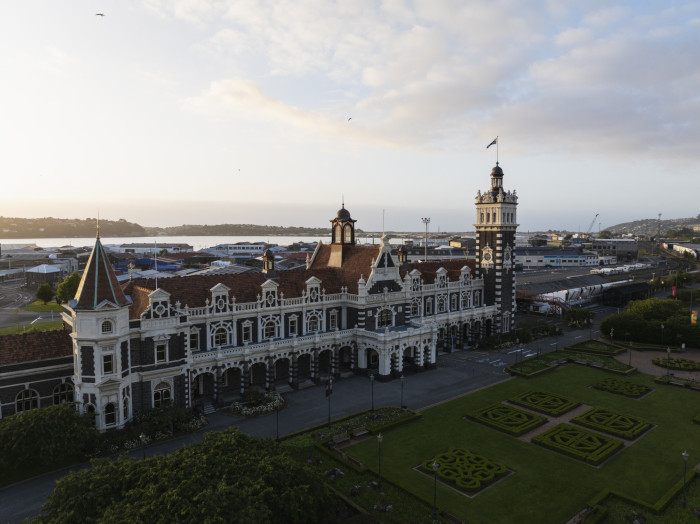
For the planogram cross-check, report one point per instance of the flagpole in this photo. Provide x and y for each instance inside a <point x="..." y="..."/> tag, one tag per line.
<point x="496" y="149"/>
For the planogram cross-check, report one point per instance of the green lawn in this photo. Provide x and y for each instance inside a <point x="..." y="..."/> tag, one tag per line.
<point x="546" y="486"/>
<point x="41" y="307"/>
<point x="28" y="328"/>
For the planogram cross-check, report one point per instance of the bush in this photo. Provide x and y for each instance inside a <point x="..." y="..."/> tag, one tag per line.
<point x="548" y="403"/>
<point x="681" y="364"/>
<point x="465" y="470"/>
<point x="622" y="387"/>
<point x="608" y="421"/>
<point x="45" y="436"/>
<point x="508" y="419"/>
<point x="578" y="443"/>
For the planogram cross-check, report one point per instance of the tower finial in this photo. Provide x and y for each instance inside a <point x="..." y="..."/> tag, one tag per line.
<point x="342" y="202"/>
<point x="98" y="223"/>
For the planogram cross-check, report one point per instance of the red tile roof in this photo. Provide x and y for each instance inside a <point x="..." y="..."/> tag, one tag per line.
<point x="28" y="347"/>
<point x="99" y="282"/>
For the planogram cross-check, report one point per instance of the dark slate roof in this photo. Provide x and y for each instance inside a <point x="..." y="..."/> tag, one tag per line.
<point x="99" y="283"/>
<point x="29" y="347"/>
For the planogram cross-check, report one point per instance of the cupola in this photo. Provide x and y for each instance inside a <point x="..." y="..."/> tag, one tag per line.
<point x="343" y="228"/>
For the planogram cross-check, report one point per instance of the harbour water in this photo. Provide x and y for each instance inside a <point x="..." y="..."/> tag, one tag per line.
<point x="197" y="242"/>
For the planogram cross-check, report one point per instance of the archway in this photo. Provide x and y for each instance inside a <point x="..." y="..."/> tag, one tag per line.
<point x="372" y="360"/>
<point x="346" y="358"/>
<point x="324" y="363"/>
<point x="282" y="371"/>
<point x="203" y="385"/>
<point x="231" y="383"/>
<point x="488" y="327"/>
<point x="304" y="367"/>
<point x="258" y="375"/>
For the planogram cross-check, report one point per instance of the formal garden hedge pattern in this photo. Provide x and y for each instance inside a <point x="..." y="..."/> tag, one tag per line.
<point x="507" y="418"/>
<point x="612" y="422"/>
<point x="578" y="443"/>
<point x="681" y="364"/>
<point x="465" y="470"/>
<point x="623" y="387"/>
<point x="547" y="403"/>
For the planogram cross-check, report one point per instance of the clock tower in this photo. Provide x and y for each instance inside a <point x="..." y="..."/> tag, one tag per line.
<point x="495" y="249"/>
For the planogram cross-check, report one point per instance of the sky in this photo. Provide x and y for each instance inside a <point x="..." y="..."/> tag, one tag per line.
<point x="276" y="112"/>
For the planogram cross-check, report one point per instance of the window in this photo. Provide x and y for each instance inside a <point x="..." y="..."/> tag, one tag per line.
<point x="126" y="408"/>
<point x="348" y="233"/>
<point x="385" y="318"/>
<point x="161" y="352"/>
<point x="429" y="306"/>
<point x="293" y="326"/>
<point x="465" y="300"/>
<point x="313" y="324"/>
<point x="26" y="400"/>
<point x="414" y="309"/>
<point x="270" y="329"/>
<point x="107" y="327"/>
<point x="453" y="303"/>
<point x="441" y="305"/>
<point x="247" y="332"/>
<point x="194" y="340"/>
<point x="161" y="394"/>
<point x="107" y="364"/>
<point x="220" y="337"/>
<point x="333" y="320"/>
<point x="110" y="415"/>
<point x="62" y="394"/>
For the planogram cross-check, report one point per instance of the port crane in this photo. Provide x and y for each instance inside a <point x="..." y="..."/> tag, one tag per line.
<point x="588" y="231"/>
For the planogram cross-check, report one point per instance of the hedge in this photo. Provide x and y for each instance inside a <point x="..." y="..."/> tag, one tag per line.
<point x="612" y="422"/>
<point x="623" y="387"/>
<point x="543" y="402"/>
<point x="578" y="443"/>
<point x="507" y="419"/>
<point x="465" y="470"/>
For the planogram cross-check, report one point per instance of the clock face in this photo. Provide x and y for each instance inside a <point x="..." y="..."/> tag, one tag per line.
<point x="487" y="256"/>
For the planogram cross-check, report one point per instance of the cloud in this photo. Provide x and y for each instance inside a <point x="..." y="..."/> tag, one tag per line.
<point x="611" y="81"/>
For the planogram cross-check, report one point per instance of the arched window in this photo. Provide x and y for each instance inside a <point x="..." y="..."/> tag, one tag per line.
<point x="62" y="393"/>
<point x="161" y="394"/>
<point x="220" y="337"/>
<point x="270" y="329"/>
<point x="26" y="400"/>
<point x="337" y="233"/>
<point x="107" y="327"/>
<point x="465" y="300"/>
<point x="110" y="415"/>
<point x="385" y="318"/>
<point x="441" y="305"/>
<point x="414" y="309"/>
<point x="453" y="303"/>
<point x="194" y="340"/>
<point x="348" y="233"/>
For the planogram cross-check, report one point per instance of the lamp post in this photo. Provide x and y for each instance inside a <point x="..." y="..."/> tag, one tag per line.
<point x="685" y="455"/>
<point x="435" y="470"/>
<point x="662" y="334"/>
<point x="142" y="437"/>
<point x="612" y="331"/>
<point x="668" y="362"/>
<point x="426" y="221"/>
<point x="379" y="440"/>
<point x="371" y="379"/>
<point x="402" y="381"/>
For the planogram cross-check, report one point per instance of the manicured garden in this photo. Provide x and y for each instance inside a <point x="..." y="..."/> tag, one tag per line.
<point x="644" y="469"/>
<point x="622" y="387"/>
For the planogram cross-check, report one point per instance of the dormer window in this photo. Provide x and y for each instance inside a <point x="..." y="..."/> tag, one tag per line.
<point x="107" y="327"/>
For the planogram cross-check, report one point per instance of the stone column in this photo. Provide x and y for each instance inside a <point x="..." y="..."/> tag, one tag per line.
<point x="270" y="375"/>
<point x="294" y="372"/>
<point x="314" y="366"/>
<point x="245" y="377"/>
<point x="362" y="358"/>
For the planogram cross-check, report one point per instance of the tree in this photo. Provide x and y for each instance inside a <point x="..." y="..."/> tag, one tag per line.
<point x="578" y="316"/>
<point x="45" y="436"/>
<point x="605" y="234"/>
<point x="44" y="293"/>
<point x="68" y="288"/>
<point x="230" y="477"/>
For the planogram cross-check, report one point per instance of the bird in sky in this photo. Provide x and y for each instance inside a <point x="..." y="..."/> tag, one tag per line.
<point x="99" y="14"/>
<point x="349" y="119"/>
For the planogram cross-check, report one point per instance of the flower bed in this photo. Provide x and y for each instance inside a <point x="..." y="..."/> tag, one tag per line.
<point x="507" y="418"/>
<point x="465" y="470"/>
<point x="266" y="403"/>
<point x="608" y="421"/>
<point x="547" y="403"/>
<point x="681" y="364"/>
<point x="578" y="443"/>
<point x="622" y="387"/>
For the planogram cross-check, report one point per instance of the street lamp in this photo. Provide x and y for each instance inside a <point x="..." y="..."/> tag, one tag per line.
<point x="435" y="470"/>
<point x="662" y="334"/>
<point x="379" y="440"/>
<point x="612" y="330"/>
<point x="142" y="437"/>
<point x="685" y="455"/>
<point x="426" y="221"/>
<point x="371" y="379"/>
<point x="668" y="361"/>
<point x="402" y="381"/>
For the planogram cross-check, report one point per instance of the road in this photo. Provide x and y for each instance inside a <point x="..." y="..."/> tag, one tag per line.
<point x="13" y="298"/>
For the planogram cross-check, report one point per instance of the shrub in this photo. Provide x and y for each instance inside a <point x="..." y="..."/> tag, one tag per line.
<point x="608" y="421"/>
<point x="507" y="418"/>
<point x="547" y="403"/>
<point x="622" y="387"/>
<point x="681" y="364"/>
<point x="465" y="470"/>
<point x="578" y="443"/>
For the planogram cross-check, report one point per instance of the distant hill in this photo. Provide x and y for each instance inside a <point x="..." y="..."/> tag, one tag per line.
<point x="49" y="227"/>
<point x="651" y="226"/>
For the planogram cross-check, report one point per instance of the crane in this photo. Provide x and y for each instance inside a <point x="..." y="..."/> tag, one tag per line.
<point x="588" y="232"/>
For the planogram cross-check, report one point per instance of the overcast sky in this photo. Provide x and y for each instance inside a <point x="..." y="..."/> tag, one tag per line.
<point x="271" y="112"/>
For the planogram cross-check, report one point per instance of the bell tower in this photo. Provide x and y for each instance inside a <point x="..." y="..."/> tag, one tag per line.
<point x="343" y="228"/>
<point x="496" y="223"/>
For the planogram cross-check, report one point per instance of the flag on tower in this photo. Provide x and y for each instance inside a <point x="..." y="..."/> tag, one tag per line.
<point x="495" y="141"/>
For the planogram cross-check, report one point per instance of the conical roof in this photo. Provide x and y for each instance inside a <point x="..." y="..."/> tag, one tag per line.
<point x="99" y="283"/>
